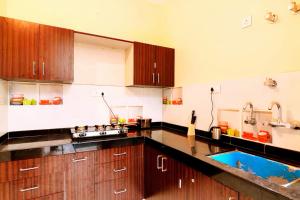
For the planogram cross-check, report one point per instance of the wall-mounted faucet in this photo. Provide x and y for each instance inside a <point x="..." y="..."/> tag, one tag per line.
<point x="279" y="116"/>
<point x="252" y="120"/>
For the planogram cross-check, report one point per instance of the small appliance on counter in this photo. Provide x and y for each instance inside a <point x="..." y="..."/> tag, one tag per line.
<point x="216" y="132"/>
<point x="144" y="123"/>
<point x="98" y="131"/>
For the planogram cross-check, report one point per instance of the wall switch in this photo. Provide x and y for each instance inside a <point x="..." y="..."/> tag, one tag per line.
<point x="246" y="22"/>
<point x="216" y="87"/>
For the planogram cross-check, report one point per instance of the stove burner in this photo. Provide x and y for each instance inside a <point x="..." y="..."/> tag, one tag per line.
<point x="98" y="131"/>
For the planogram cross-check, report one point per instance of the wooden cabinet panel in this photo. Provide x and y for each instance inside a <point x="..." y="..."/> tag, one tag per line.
<point x="111" y="190"/>
<point x="165" y="61"/>
<point x="56" y="54"/>
<point x="58" y="196"/>
<point x="19" y="46"/>
<point x="20" y="169"/>
<point x="30" y="188"/>
<point x="221" y="192"/>
<point x="111" y="171"/>
<point x="119" y="153"/>
<point x="153" y="65"/>
<point x="80" y="176"/>
<point x="144" y="58"/>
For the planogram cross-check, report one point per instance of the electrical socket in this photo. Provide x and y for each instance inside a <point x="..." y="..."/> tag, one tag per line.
<point x="246" y="21"/>
<point x="216" y="87"/>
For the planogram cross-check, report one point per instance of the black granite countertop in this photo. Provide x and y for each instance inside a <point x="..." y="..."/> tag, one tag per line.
<point x="191" y="150"/>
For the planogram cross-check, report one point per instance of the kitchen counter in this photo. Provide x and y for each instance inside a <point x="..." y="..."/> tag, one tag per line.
<point x="192" y="151"/>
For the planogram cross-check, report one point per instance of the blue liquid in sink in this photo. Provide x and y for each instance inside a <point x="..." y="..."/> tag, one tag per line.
<point x="259" y="166"/>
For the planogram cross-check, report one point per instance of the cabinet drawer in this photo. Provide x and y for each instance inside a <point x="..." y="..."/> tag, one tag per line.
<point x="119" y="153"/>
<point x="117" y="189"/>
<point x="15" y="170"/>
<point x="111" y="171"/>
<point x="30" y="188"/>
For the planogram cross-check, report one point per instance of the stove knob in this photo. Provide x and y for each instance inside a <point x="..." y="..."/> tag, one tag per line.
<point x="82" y="134"/>
<point x="104" y="132"/>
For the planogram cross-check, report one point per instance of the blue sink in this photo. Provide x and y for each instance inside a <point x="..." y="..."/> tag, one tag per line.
<point x="273" y="171"/>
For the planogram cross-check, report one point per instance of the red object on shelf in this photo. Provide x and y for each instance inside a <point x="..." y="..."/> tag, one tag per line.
<point x="264" y="136"/>
<point x="44" y="102"/>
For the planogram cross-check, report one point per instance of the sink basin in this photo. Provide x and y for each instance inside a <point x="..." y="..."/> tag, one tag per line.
<point x="270" y="170"/>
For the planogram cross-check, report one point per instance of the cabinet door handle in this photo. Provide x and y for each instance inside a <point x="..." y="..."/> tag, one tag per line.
<point x="157" y="162"/>
<point x="29" y="189"/>
<point x="120" y="170"/>
<point x="120" y="154"/>
<point x="153" y="78"/>
<point x="120" y="191"/>
<point x="157" y="77"/>
<point x="180" y="183"/>
<point x="43" y="68"/>
<point x="154" y="65"/>
<point x="162" y="164"/>
<point x="33" y="68"/>
<point x="79" y="160"/>
<point x="28" y="169"/>
<point x="231" y="198"/>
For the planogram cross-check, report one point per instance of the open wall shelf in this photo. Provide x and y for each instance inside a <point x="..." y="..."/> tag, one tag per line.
<point x="32" y="94"/>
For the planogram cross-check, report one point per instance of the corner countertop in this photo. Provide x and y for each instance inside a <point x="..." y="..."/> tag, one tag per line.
<point x="191" y="150"/>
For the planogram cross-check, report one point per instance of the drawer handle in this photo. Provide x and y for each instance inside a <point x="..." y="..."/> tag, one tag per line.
<point x="120" y="170"/>
<point x="29" y="189"/>
<point x="120" y="154"/>
<point x="120" y="191"/>
<point x="79" y="160"/>
<point x="162" y="164"/>
<point x="157" y="162"/>
<point x="231" y="198"/>
<point x="28" y="169"/>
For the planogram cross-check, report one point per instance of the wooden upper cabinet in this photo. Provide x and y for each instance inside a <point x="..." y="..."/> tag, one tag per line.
<point x="56" y="54"/>
<point x="165" y="62"/>
<point x="31" y="51"/>
<point x="19" y="49"/>
<point x="144" y="58"/>
<point x="153" y="65"/>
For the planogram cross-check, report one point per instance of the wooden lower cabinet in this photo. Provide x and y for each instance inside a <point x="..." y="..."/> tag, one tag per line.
<point x="80" y="176"/>
<point x="119" y="173"/>
<point x="172" y="180"/>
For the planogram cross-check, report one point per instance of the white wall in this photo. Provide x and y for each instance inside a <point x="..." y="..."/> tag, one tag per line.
<point x="234" y="94"/>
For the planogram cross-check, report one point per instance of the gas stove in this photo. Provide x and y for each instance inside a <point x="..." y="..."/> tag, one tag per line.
<point x="82" y="132"/>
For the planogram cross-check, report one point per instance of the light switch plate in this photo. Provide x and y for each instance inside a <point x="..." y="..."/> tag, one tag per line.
<point x="246" y="21"/>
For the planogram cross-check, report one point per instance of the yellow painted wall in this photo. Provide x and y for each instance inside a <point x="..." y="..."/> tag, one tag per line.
<point x="210" y="44"/>
<point x="126" y="19"/>
<point x="2" y="7"/>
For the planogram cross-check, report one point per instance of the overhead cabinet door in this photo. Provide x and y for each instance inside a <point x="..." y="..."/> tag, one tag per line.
<point x="56" y="54"/>
<point x="164" y="60"/>
<point x="19" y="46"/>
<point x="144" y="58"/>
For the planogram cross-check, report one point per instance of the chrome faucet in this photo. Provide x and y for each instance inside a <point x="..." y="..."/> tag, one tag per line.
<point x="252" y="120"/>
<point x="279" y="116"/>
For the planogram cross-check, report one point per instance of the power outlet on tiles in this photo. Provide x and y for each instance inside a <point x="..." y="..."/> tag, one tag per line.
<point x="216" y="88"/>
<point x="246" y="21"/>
